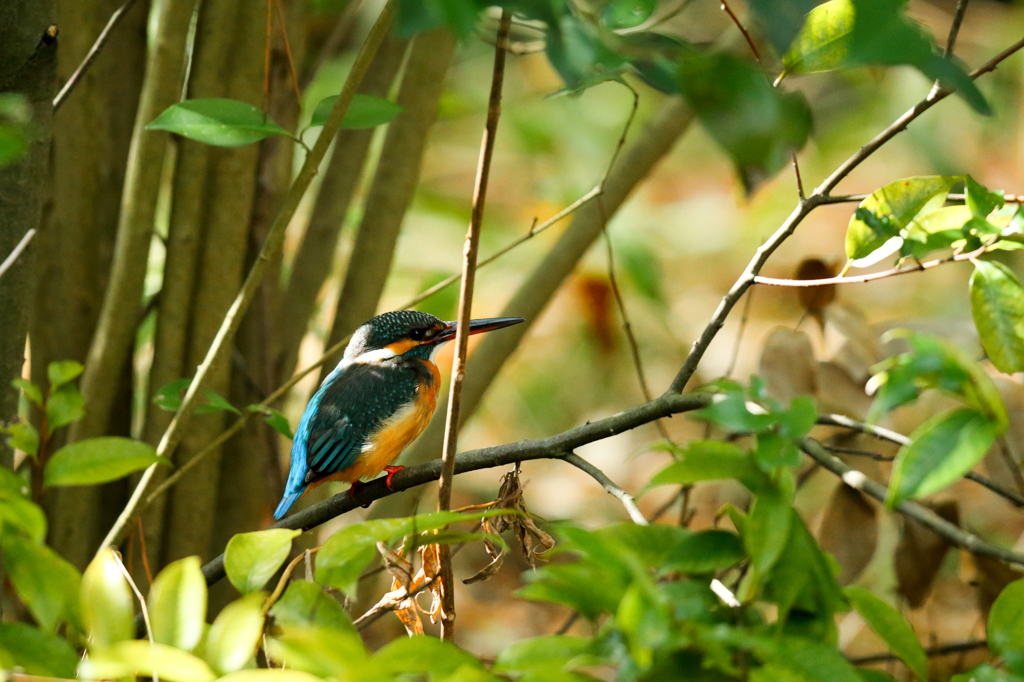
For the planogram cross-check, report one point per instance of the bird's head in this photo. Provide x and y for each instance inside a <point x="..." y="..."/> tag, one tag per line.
<point x="410" y="334"/>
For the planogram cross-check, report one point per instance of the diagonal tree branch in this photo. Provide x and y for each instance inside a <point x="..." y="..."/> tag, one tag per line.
<point x="608" y="484"/>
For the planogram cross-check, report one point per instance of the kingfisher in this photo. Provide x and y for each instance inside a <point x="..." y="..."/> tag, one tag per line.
<point x="376" y="401"/>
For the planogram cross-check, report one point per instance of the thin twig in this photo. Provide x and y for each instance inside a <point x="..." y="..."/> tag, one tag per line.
<point x="916" y="266"/>
<point x="13" y="256"/>
<point x="1011" y="463"/>
<point x="615" y="490"/>
<point x="1013" y="497"/>
<point x="271" y="244"/>
<point x="444" y="493"/>
<point x="91" y="55"/>
<point x="142" y="602"/>
<point x="950" y="532"/>
<point x="817" y="198"/>
<point x="954" y="30"/>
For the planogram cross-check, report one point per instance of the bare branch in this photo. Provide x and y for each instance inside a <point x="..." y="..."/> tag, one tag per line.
<point x="616" y="491"/>
<point x="16" y="251"/>
<point x="926" y="517"/>
<point x="94" y="52"/>
<point x="552" y="447"/>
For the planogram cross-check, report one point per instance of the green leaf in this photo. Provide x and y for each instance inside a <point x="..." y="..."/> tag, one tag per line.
<point x="320" y="651"/>
<point x="804" y="577"/>
<point x="705" y="552"/>
<point x="365" y="111"/>
<point x="20" y="513"/>
<point x="541" y="653"/>
<point x="781" y="20"/>
<point x="65" y="406"/>
<point x="99" y="460"/>
<point x="306" y="603"/>
<point x="269" y="675"/>
<point x="177" y="604"/>
<point x="708" y="461"/>
<point x="891" y="209"/>
<point x="169" y="397"/>
<point x="46" y="583"/>
<point x="803" y="659"/>
<point x="888" y="624"/>
<point x="63" y="371"/>
<point x="232" y="639"/>
<point x="757" y="125"/>
<point x="766" y="531"/>
<point x="799" y="418"/>
<point x="134" y="658"/>
<point x="13" y="144"/>
<point x="37" y="652"/>
<point x="943" y="449"/>
<point x="997" y="303"/>
<point x="732" y="412"/>
<point x="578" y="53"/>
<point x="823" y="44"/>
<point x="980" y="201"/>
<point x="217" y="121"/>
<point x="21" y="435"/>
<point x="422" y="655"/>
<point x="986" y="672"/>
<point x="251" y="559"/>
<point x="341" y="559"/>
<point x="935" y="230"/>
<point x="275" y="419"/>
<point x="1006" y="626"/>
<point x="641" y="264"/>
<point x="30" y="390"/>
<point x="107" y="611"/>
<point x="15" y="121"/>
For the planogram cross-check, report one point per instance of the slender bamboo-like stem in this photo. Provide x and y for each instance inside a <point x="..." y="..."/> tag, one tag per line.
<point x="444" y="494"/>
<point x="221" y="342"/>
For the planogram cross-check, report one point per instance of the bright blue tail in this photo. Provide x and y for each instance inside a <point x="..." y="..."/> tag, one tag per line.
<point x="286" y="503"/>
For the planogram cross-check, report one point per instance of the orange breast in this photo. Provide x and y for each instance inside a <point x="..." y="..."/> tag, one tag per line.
<point x="387" y="443"/>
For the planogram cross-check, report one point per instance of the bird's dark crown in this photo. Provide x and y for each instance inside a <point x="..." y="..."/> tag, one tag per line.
<point x="401" y="331"/>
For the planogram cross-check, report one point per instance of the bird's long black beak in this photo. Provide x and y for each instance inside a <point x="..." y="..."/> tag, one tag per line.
<point x="478" y="327"/>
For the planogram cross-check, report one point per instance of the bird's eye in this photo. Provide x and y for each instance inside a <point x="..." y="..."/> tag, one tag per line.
<point x="418" y="334"/>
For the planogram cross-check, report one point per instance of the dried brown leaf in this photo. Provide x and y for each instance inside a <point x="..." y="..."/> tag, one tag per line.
<point x="815" y="299"/>
<point x="849" y="531"/>
<point x="787" y="364"/>
<point x="919" y="555"/>
<point x="989" y="575"/>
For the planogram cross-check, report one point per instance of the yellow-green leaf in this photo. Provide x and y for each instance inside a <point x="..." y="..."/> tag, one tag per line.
<point x="997" y="303"/>
<point x="824" y="41"/>
<point x="107" y="610"/>
<point x="231" y="642"/>
<point x="177" y="604"/>
<point x="99" y="460"/>
<point x="888" y="624"/>
<point x="138" y="658"/>
<point x="251" y="559"/>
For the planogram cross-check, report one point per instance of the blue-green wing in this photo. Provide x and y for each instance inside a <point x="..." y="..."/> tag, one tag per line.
<point x="347" y="410"/>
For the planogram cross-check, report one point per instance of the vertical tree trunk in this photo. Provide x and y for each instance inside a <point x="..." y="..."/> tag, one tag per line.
<point x="28" y="62"/>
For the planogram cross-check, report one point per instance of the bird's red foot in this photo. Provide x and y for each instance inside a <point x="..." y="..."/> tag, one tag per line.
<point x="352" y="492"/>
<point x="392" y="470"/>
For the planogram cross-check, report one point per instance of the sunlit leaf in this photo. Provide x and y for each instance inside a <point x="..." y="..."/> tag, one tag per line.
<point x="324" y="652"/>
<point x="422" y="655"/>
<point x="269" y="675"/>
<point x="980" y="201"/>
<point x="888" y="624"/>
<point x="136" y="657"/>
<point x="709" y="461"/>
<point x="766" y="531"/>
<point x="705" y="552"/>
<point x="943" y="449"/>
<point x="758" y="126"/>
<point x="541" y="653"/>
<point x="37" y="652"/>
<point x="18" y="512"/>
<point x="1006" y="626"/>
<point x="99" y="460"/>
<point x="217" y="121"/>
<point x="251" y="559"/>
<point x="891" y="209"/>
<point x="30" y="390"/>
<point x="21" y="435"/>
<point x="365" y="111"/>
<point x="997" y="303"/>
<point x="46" y="583"/>
<point x="177" y="604"/>
<point x="823" y="43"/>
<point x="232" y="639"/>
<point x="65" y="406"/>
<point x="306" y="603"/>
<point x="63" y="371"/>
<point x="107" y="611"/>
